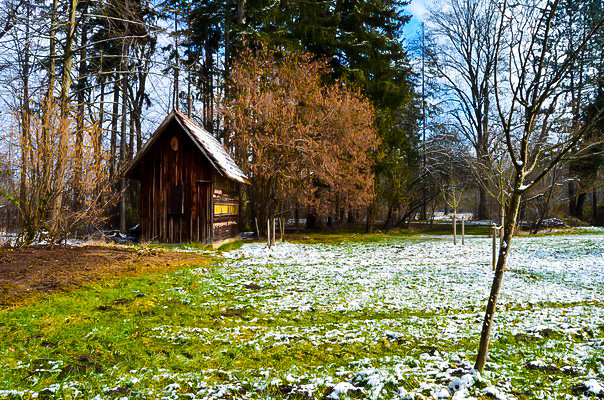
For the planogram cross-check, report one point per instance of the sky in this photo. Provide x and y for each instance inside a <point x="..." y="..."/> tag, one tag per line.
<point x="418" y="10"/>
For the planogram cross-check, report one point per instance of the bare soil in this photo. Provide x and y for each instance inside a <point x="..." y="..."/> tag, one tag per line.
<point x="28" y="273"/>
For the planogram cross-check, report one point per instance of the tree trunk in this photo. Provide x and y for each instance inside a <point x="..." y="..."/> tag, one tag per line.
<point x="114" y="119"/>
<point x="311" y="221"/>
<point x="227" y="45"/>
<point x="580" y="205"/>
<point x="455" y="226"/>
<point x="268" y="232"/>
<point x="176" y="64"/>
<point x="369" y="222"/>
<point x="546" y="206"/>
<point x="504" y="252"/>
<point x="572" y="197"/>
<point x="48" y="109"/>
<point x="131" y="137"/>
<point x="79" y="144"/>
<point x="388" y="218"/>
<point x="123" y="156"/>
<point x="210" y="90"/>
<point x="52" y="51"/>
<point x="483" y="207"/>
<point x="25" y="126"/>
<point x="139" y="130"/>
<point x="241" y="11"/>
<point x="98" y="140"/>
<point x="594" y="207"/>
<point x="351" y="216"/>
<point x="64" y="118"/>
<point x="297" y="218"/>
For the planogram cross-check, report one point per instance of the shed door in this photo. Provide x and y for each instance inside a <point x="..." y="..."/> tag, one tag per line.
<point x="204" y="223"/>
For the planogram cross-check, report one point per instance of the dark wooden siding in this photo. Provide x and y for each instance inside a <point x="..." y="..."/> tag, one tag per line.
<point x="176" y="191"/>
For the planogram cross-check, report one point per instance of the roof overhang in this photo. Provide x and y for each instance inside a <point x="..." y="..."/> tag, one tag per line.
<point x="183" y="122"/>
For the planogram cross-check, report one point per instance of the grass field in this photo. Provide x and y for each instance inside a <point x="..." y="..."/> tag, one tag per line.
<point x="383" y="316"/>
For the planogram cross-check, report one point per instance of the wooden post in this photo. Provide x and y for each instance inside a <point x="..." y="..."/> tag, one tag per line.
<point x="454" y="228"/>
<point x="463" y="230"/>
<point x="273" y="238"/>
<point x="257" y="230"/>
<point x="268" y="232"/>
<point x="494" y="261"/>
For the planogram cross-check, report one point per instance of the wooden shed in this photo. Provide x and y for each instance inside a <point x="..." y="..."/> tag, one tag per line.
<point x="189" y="184"/>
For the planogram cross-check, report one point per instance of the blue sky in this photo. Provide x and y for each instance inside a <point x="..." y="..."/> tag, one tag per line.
<point x="418" y="9"/>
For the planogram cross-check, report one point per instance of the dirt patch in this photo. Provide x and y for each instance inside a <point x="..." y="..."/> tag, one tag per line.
<point x="28" y="273"/>
<point x="253" y="286"/>
<point x="232" y="312"/>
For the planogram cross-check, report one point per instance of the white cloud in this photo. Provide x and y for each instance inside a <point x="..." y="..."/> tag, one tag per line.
<point x="418" y="8"/>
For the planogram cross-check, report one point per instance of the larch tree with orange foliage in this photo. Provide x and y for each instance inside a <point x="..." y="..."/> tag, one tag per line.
<point x="300" y="141"/>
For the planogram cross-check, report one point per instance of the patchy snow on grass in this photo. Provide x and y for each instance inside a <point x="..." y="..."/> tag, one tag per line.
<point x="395" y="319"/>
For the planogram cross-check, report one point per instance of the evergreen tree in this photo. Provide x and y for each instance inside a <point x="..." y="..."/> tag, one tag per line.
<point x="361" y="40"/>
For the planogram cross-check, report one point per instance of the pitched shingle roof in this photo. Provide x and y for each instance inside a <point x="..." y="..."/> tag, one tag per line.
<point x="209" y="146"/>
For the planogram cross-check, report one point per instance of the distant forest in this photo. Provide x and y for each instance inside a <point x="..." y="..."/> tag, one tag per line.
<point x="494" y="111"/>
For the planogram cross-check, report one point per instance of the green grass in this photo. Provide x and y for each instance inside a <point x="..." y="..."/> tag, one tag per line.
<point x="196" y="246"/>
<point x="182" y="246"/>
<point x="102" y="332"/>
<point x="198" y="327"/>
<point x="415" y="231"/>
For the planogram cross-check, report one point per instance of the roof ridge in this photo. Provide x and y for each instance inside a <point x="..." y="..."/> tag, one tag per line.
<point x="185" y="116"/>
<point x="213" y="149"/>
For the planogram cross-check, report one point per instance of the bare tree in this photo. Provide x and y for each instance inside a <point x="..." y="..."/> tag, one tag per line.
<point x="464" y="55"/>
<point x="526" y="94"/>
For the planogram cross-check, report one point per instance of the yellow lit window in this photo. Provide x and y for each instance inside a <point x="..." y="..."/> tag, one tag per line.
<point x="226" y="209"/>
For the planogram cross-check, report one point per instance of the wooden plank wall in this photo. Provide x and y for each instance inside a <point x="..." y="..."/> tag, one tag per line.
<point x="161" y="170"/>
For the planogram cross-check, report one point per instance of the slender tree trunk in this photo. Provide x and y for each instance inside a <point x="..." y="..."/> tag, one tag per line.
<point x="389" y="218"/>
<point x="64" y="118"/>
<point x="580" y="205"/>
<point x="297" y="218"/>
<point x="176" y="65"/>
<point x="351" y="216"/>
<point x="454" y="226"/>
<point x="572" y="197"/>
<point x="594" y="206"/>
<point x="483" y="206"/>
<point x="504" y="252"/>
<point x="369" y="222"/>
<point x="98" y="140"/>
<point x="548" y="199"/>
<point x="131" y="136"/>
<point x="138" y="109"/>
<point x="241" y="11"/>
<point x="209" y="61"/>
<point x="49" y="106"/>
<point x="123" y="155"/>
<point x="52" y="50"/>
<point x="79" y="143"/>
<point x="268" y="232"/>
<point x="227" y="44"/>
<point x="25" y="124"/>
<point x="139" y="130"/>
<point x="114" y="118"/>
